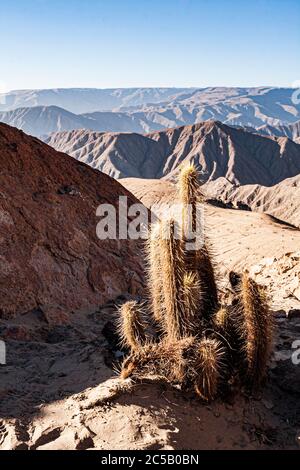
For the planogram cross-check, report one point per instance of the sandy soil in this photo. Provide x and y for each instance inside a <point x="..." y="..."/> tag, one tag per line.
<point x="63" y="394"/>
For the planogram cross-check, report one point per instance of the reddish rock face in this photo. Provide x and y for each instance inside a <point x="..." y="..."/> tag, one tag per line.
<point x="50" y="256"/>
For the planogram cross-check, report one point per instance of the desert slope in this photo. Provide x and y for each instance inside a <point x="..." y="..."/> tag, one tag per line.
<point x="281" y="201"/>
<point x="240" y="238"/>
<point x="218" y="150"/>
<point x="52" y="263"/>
<point x="292" y="131"/>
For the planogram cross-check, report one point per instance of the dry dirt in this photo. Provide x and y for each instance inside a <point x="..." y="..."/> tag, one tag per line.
<point x="62" y="394"/>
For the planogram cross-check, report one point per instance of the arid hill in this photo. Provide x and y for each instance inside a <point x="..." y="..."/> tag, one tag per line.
<point x="252" y="107"/>
<point x="218" y="150"/>
<point x="51" y="262"/>
<point x="281" y="201"/>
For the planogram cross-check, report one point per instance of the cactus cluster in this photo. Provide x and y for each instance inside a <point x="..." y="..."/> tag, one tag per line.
<point x="182" y="332"/>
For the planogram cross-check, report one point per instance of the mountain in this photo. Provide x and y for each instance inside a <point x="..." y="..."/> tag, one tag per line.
<point x="52" y="264"/>
<point x="219" y="150"/>
<point x="86" y="100"/>
<point x="292" y="131"/>
<point x="153" y="109"/>
<point x="40" y="121"/>
<point x="253" y="107"/>
<point x="43" y="120"/>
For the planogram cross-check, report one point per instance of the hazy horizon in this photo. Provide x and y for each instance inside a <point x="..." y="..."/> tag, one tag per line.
<point x="151" y="87"/>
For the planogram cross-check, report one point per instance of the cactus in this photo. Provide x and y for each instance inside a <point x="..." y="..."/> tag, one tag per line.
<point x="208" y="367"/>
<point x="255" y="330"/>
<point x="172" y="279"/>
<point x="192" y="296"/>
<point x="198" y="260"/>
<point x="154" y="274"/>
<point x="207" y="276"/>
<point x="190" y="195"/>
<point x="200" y="345"/>
<point x="131" y="329"/>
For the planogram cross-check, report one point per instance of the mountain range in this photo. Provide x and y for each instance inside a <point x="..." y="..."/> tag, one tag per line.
<point x="41" y="121"/>
<point x="218" y="150"/>
<point x="87" y="100"/>
<point x="39" y="112"/>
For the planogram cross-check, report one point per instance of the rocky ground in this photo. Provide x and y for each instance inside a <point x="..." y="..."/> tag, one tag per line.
<point x="59" y="392"/>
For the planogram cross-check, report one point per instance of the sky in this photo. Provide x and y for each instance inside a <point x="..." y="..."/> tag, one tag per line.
<point x="155" y="43"/>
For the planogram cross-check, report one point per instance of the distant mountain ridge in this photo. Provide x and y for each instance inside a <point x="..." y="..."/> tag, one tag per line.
<point x="40" y="121"/>
<point x="87" y="100"/>
<point x="217" y="149"/>
<point x="292" y="131"/>
<point x="149" y="109"/>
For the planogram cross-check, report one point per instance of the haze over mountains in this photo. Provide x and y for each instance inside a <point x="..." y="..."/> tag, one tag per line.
<point x="85" y="100"/>
<point x="145" y="110"/>
<point x="218" y="150"/>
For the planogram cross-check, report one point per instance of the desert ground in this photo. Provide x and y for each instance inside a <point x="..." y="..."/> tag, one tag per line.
<point x="60" y="390"/>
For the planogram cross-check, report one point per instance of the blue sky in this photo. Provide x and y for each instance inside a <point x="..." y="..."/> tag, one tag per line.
<point x="129" y="43"/>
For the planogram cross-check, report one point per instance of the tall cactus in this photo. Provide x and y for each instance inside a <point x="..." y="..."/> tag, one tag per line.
<point x="199" y="344"/>
<point x="255" y="330"/>
<point x="154" y="273"/>
<point x="172" y="266"/>
<point x="198" y="260"/>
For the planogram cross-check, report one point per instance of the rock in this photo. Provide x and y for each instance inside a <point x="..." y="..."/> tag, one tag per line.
<point x="280" y="314"/>
<point x="50" y="253"/>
